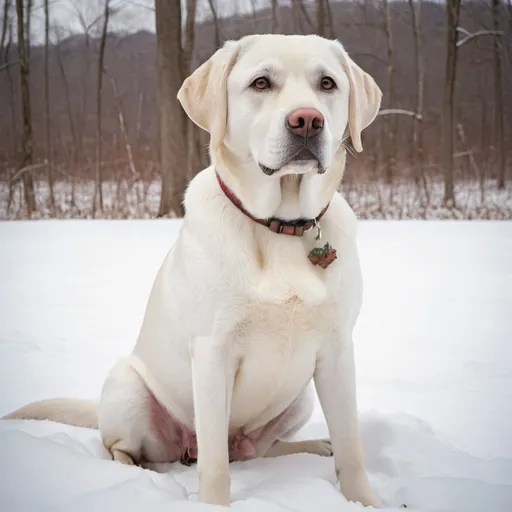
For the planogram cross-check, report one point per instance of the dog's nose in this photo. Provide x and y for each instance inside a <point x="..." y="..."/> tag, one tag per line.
<point x="305" y="122"/>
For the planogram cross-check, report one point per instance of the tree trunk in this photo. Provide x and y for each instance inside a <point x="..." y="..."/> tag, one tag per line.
<point x="28" y="24"/>
<point x="98" y="194"/>
<point x="5" y="46"/>
<point x="452" y="18"/>
<point x="320" y="17"/>
<point x="392" y="123"/>
<point x="275" y="16"/>
<point x="12" y="93"/>
<point x="3" y="34"/>
<point x="216" y="22"/>
<point x="123" y="128"/>
<point x="330" y="19"/>
<point x="172" y="120"/>
<point x="71" y="119"/>
<point x="417" y="135"/>
<point x="27" y="158"/>
<point x="189" y="38"/>
<point x="49" y="150"/>
<point x="499" y="142"/>
<point x="299" y="13"/>
<point x="193" y="159"/>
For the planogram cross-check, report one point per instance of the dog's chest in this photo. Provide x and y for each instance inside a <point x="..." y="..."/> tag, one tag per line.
<point x="277" y="347"/>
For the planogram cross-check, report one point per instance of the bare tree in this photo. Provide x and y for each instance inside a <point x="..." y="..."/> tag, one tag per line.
<point x="452" y="18"/>
<point x="88" y="25"/>
<point x="5" y="64"/>
<point x="12" y="89"/>
<point x="122" y="125"/>
<point x="189" y="37"/>
<point x="25" y="168"/>
<point x="101" y="58"/>
<point x="320" y="17"/>
<point x="275" y="16"/>
<point x="392" y="124"/>
<point x="299" y="15"/>
<point x="49" y="150"/>
<point x="417" y="135"/>
<point x="186" y="63"/>
<point x="69" y="109"/>
<point x="215" y="18"/>
<point x="173" y="141"/>
<point x="28" y="23"/>
<point x="499" y="141"/>
<point x="330" y="19"/>
<point x="3" y="34"/>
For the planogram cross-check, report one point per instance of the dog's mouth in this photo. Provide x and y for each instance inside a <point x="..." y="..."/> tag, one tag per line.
<point x="299" y="163"/>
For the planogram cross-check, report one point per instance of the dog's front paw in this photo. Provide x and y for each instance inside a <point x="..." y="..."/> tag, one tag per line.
<point x="214" y="489"/>
<point x="214" y="497"/>
<point x="321" y="447"/>
<point x="354" y="485"/>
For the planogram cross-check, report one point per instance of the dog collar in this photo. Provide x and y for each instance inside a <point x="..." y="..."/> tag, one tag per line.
<point x="296" y="227"/>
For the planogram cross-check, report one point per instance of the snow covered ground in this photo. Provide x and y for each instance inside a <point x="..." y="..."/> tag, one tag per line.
<point x="373" y="200"/>
<point x="434" y="360"/>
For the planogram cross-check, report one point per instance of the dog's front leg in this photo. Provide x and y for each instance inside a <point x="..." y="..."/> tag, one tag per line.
<point x="336" y="388"/>
<point x="212" y="379"/>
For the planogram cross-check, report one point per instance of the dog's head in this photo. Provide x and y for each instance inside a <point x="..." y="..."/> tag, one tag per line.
<point x="282" y="103"/>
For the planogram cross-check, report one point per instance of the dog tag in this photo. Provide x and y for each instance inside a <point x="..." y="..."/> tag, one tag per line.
<point x="322" y="256"/>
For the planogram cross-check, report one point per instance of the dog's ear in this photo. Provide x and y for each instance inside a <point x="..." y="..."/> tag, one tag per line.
<point x="364" y="100"/>
<point x="203" y="94"/>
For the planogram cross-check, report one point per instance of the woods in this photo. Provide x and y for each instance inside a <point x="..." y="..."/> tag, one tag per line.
<point x="90" y="125"/>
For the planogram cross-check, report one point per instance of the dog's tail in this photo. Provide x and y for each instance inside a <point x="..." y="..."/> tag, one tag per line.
<point x="71" y="411"/>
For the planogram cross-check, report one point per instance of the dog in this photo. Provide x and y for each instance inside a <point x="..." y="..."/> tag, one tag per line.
<point x="257" y="299"/>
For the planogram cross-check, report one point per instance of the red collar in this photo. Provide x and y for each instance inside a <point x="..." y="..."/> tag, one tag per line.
<point x="295" y="227"/>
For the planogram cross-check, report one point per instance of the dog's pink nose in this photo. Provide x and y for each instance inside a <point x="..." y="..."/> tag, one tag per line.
<point x="305" y="122"/>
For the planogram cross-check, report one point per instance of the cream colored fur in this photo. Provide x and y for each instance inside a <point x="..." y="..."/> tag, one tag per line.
<point x="72" y="411"/>
<point x="239" y="323"/>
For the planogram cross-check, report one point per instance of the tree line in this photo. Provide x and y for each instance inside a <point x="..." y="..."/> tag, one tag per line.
<point x="95" y="115"/>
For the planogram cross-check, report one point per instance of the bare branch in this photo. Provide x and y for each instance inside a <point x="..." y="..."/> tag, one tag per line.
<point x="400" y="112"/>
<point x="473" y="35"/>
<point x="122" y="124"/>
<point x="28" y="168"/>
<point x="5" y="65"/>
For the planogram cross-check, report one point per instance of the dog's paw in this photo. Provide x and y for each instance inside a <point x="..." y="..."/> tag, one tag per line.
<point x="321" y="447"/>
<point x="122" y="457"/>
<point x="355" y="487"/>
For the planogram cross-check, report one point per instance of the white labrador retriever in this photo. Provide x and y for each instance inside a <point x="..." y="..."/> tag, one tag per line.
<point x="249" y="307"/>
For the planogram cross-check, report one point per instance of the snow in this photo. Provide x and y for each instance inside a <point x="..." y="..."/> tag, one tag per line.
<point x="434" y="363"/>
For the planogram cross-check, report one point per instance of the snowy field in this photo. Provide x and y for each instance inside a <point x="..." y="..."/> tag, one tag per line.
<point x="434" y="361"/>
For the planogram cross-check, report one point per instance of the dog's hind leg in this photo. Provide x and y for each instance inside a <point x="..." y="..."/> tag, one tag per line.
<point x="296" y="417"/>
<point x="321" y="447"/>
<point x="133" y="425"/>
<point x="270" y="440"/>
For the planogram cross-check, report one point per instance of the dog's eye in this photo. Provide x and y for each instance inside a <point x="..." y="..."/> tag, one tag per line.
<point x="261" y="83"/>
<point x="327" y="83"/>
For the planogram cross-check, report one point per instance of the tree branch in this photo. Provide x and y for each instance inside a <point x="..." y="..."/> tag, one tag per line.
<point x="473" y="35"/>
<point x="27" y="168"/>
<point x="400" y="112"/>
<point x="8" y="64"/>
